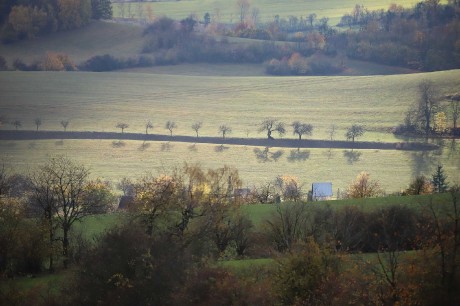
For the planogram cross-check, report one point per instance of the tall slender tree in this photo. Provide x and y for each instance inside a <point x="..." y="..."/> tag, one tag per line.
<point x="439" y="180"/>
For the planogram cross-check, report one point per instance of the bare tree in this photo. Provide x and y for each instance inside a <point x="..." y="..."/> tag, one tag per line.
<point x="122" y="126"/>
<point x="170" y="125"/>
<point x="455" y="107"/>
<point x="64" y="124"/>
<point x="196" y="127"/>
<point x="311" y="19"/>
<point x="243" y="9"/>
<point x="255" y="15"/>
<point x="270" y="126"/>
<point x="17" y="124"/>
<point x="148" y="126"/>
<point x="64" y="186"/>
<point x="301" y="129"/>
<point x="122" y="9"/>
<point x="287" y="225"/>
<point x="354" y="131"/>
<point x="332" y="131"/>
<point x="38" y="122"/>
<point x="427" y="104"/>
<point x="224" y="129"/>
<point x="43" y="203"/>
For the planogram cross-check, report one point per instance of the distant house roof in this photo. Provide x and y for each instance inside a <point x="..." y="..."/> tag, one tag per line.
<point x="321" y="190"/>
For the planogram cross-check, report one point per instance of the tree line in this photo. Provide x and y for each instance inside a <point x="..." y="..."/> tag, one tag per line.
<point x="179" y="226"/>
<point x="267" y="126"/>
<point x="26" y="19"/>
<point x="424" y="37"/>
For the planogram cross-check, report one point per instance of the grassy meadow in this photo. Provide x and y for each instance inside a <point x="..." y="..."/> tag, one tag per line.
<point x="120" y="40"/>
<point x="228" y="11"/>
<point x="98" y="101"/>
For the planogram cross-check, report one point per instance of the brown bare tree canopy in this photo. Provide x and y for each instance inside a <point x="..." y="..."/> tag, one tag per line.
<point x="272" y="125"/>
<point x="38" y="122"/>
<point x="171" y="126"/>
<point x="64" y="124"/>
<point x="196" y="127"/>
<point x="427" y="104"/>
<point x="224" y="130"/>
<point x="243" y="9"/>
<point x="122" y="126"/>
<point x="301" y="129"/>
<point x="354" y="131"/>
<point x="63" y="191"/>
<point x="148" y="125"/>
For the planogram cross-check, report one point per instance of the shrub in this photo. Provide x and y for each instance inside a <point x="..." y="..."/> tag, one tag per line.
<point x="3" y="65"/>
<point x="129" y="267"/>
<point x="57" y="62"/>
<point x="101" y="63"/>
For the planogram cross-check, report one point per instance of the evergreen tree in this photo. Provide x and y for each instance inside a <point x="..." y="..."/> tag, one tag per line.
<point x="439" y="180"/>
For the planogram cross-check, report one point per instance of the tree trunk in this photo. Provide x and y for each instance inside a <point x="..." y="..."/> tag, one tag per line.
<point x="51" y="237"/>
<point x="65" y="246"/>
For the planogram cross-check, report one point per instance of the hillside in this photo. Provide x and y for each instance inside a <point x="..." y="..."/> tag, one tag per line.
<point x="121" y="40"/>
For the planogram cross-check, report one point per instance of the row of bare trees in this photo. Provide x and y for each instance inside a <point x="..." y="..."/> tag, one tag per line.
<point x="268" y="126"/>
<point x="37" y="122"/>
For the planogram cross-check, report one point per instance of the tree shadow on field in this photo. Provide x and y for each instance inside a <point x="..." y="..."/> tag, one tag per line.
<point x="193" y="148"/>
<point x="351" y="156"/>
<point x="453" y="148"/>
<point x="329" y="154"/>
<point x="118" y="144"/>
<point x="144" y="146"/>
<point x="298" y="156"/>
<point x="221" y="148"/>
<point x="59" y="142"/>
<point x="166" y="147"/>
<point x="441" y="143"/>
<point x="422" y="162"/>
<point x="266" y="156"/>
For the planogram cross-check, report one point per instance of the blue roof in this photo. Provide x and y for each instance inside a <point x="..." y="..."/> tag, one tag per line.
<point x="321" y="190"/>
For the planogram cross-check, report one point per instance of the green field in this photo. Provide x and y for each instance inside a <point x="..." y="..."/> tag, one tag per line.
<point x="228" y="10"/>
<point x="98" y="101"/>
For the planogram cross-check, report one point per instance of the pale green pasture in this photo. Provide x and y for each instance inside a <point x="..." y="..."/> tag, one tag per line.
<point x="228" y="11"/>
<point x="98" y="101"/>
<point x="394" y="169"/>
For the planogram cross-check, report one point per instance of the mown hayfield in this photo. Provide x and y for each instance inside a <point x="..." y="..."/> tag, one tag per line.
<point x="98" y="101"/>
<point x="229" y="12"/>
<point x="394" y="169"/>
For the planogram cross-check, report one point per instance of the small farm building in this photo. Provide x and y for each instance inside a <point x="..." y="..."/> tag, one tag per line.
<point x="321" y="191"/>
